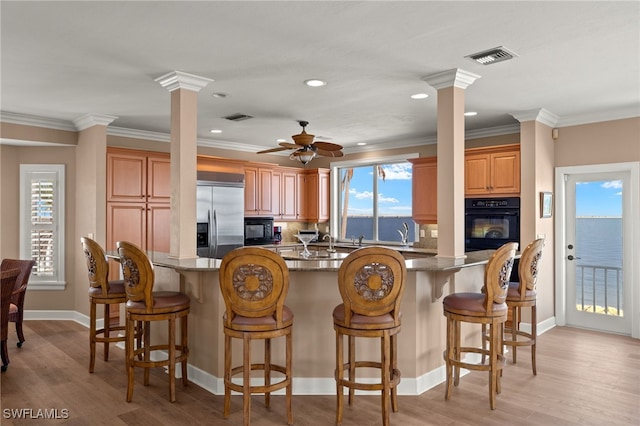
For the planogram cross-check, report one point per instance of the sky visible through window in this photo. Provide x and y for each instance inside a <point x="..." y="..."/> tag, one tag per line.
<point x="394" y="193"/>
<point x="599" y="199"/>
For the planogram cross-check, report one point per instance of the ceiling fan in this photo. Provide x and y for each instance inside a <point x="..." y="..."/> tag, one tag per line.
<point x="305" y="148"/>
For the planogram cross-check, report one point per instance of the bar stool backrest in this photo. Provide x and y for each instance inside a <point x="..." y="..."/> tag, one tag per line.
<point x="97" y="266"/>
<point x="254" y="282"/>
<point x="528" y="267"/>
<point x="496" y="275"/>
<point x="371" y="282"/>
<point x="137" y="271"/>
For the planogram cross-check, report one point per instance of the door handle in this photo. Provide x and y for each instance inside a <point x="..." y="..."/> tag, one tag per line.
<point x="570" y="257"/>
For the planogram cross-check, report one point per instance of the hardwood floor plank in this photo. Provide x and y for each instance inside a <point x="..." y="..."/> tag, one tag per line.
<point x="584" y="378"/>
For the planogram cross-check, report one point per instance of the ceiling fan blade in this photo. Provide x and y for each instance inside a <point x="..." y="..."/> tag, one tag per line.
<point x="327" y="146"/>
<point x="271" y="150"/>
<point x="326" y="153"/>
<point x="288" y="145"/>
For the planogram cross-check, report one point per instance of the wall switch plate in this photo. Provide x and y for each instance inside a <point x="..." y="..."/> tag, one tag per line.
<point x="422" y="233"/>
<point x="434" y="233"/>
<point x="540" y="236"/>
<point x="90" y="235"/>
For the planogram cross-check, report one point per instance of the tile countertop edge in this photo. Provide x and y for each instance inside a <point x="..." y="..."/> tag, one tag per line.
<point x="432" y="263"/>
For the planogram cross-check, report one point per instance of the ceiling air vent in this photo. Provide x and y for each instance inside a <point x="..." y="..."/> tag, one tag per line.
<point x="238" y="117"/>
<point x="492" y="56"/>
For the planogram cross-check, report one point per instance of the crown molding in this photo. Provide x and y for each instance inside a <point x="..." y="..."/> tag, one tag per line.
<point x="541" y="115"/>
<point x="454" y="77"/>
<point x="181" y="80"/>
<point x="35" y="121"/>
<point x="90" y="120"/>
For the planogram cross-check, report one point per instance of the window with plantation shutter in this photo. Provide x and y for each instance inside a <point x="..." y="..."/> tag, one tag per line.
<point x="42" y="223"/>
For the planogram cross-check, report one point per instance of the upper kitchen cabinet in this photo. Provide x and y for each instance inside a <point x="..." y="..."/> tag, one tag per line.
<point x="314" y="195"/>
<point x="424" y="191"/>
<point x="138" y="176"/>
<point x="258" y="184"/>
<point x="492" y="171"/>
<point x="284" y="193"/>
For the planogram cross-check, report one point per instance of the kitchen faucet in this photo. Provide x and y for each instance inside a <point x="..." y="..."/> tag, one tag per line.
<point x="330" y="249"/>
<point x="360" y="239"/>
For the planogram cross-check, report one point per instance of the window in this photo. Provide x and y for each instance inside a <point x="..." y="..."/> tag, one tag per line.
<point x="42" y="223"/>
<point x="374" y="200"/>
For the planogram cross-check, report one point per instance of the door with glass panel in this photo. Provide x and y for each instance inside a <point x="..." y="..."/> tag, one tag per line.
<point x="596" y="252"/>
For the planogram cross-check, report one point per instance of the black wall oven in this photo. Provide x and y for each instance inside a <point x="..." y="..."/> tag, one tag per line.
<point x="491" y="222"/>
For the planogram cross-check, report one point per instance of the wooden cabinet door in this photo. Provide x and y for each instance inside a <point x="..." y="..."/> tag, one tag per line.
<point x="302" y="195"/>
<point x="505" y="173"/>
<point x="324" y="195"/>
<point x="276" y="194"/>
<point x="424" y="190"/>
<point x="289" y="194"/>
<point x="125" y="222"/>
<point x="250" y="191"/>
<point x="126" y="176"/>
<point x="158" y="227"/>
<point x="477" y="174"/>
<point x="265" y="202"/>
<point x="158" y="178"/>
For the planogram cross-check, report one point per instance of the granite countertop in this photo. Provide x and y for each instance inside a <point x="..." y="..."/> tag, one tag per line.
<point x="428" y="263"/>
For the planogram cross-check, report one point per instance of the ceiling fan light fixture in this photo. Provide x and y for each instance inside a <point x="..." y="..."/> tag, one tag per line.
<point x="314" y="82"/>
<point x="303" y="155"/>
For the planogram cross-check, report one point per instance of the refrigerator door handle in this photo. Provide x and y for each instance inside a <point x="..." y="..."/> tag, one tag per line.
<point x="215" y="239"/>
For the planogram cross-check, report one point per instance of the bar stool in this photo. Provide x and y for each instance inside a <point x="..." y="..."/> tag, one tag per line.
<point x="371" y="282"/>
<point x="254" y="282"/>
<point x="145" y="305"/>
<point x="487" y="308"/>
<point x="101" y="292"/>
<point x="523" y="295"/>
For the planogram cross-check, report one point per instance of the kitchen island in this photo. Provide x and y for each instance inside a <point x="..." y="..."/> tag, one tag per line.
<point x="313" y="293"/>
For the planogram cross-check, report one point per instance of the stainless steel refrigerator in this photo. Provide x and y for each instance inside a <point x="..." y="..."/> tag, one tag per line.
<point x="220" y="213"/>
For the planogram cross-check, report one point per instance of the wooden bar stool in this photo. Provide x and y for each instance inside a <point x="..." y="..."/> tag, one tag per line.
<point x="254" y="282"/>
<point x="487" y="308"/>
<point x="523" y="295"/>
<point x="371" y="282"/>
<point x="16" y="308"/>
<point x="146" y="306"/>
<point x="101" y="292"/>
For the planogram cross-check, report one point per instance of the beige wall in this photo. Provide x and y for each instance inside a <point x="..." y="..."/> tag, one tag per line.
<point x="598" y="143"/>
<point x="11" y="158"/>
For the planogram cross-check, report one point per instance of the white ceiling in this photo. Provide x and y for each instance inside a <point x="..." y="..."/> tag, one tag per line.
<point x="62" y="60"/>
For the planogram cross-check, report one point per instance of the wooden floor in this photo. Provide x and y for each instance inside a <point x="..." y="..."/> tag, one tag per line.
<point x="584" y="378"/>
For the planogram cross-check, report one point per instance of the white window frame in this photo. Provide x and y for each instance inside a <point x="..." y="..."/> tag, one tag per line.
<point x="27" y="171"/>
<point x="335" y="180"/>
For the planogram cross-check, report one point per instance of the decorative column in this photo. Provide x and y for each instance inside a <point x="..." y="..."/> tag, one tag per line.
<point x="537" y="161"/>
<point x="90" y="191"/>
<point x="184" y="90"/>
<point x="450" y="85"/>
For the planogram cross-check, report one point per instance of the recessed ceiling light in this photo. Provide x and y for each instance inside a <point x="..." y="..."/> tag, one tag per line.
<point x="419" y="96"/>
<point x="216" y="131"/>
<point x="281" y="140"/>
<point x="470" y="113"/>
<point x="220" y="95"/>
<point x="361" y="143"/>
<point x="315" y="82"/>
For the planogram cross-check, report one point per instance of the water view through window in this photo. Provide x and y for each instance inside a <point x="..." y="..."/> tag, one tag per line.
<point x="376" y="201"/>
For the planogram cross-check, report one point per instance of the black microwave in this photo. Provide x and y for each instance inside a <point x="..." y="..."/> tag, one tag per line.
<point x="258" y="230"/>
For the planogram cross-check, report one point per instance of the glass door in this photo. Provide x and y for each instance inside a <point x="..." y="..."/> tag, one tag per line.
<point x="598" y="284"/>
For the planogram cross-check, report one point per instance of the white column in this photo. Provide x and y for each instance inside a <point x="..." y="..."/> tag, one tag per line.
<point x="451" y="85"/>
<point x="184" y="90"/>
